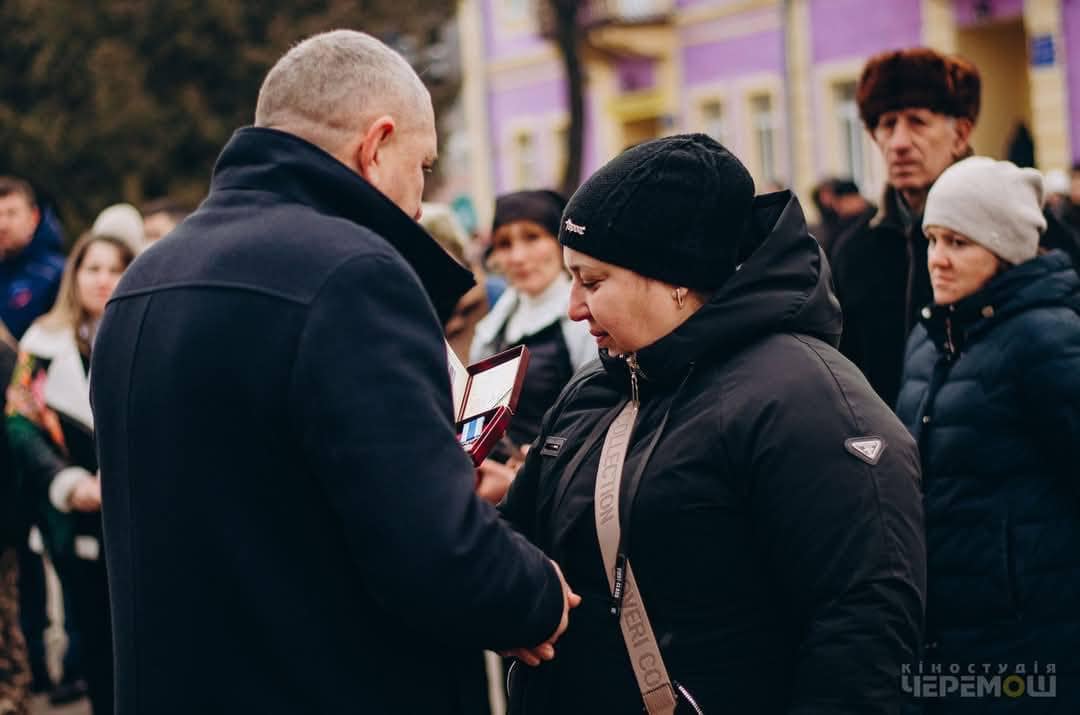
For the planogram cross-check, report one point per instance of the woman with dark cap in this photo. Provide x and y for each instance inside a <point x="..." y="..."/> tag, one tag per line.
<point x="738" y="509"/>
<point x="532" y="311"/>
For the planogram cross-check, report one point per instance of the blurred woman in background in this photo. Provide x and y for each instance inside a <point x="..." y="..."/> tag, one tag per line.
<point x="51" y="433"/>
<point x="991" y="392"/>
<point x="532" y="311"/>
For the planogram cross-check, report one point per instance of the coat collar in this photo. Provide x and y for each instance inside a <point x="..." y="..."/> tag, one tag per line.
<point x="1046" y="280"/>
<point x="269" y="160"/>
<point x="67" y="387"/>
<point x="549" y="307"/>
<point x="894" y="213"/>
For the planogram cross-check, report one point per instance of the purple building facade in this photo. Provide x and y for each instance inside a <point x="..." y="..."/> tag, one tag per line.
<point x="772" y="80"/>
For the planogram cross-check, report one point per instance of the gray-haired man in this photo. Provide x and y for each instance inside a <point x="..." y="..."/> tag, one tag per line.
<point x="290" y="521"/>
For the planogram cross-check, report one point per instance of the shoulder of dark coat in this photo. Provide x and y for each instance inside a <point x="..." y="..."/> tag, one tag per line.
<point x="283" y="248"/>
<point x="805" y="381"/>
<point x="1040" y="333"/>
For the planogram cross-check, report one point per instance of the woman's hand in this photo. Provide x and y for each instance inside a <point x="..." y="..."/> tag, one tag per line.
<point x="517" y="458"/>
<point x="493" y="480"/>
<point x="86" y="494"/>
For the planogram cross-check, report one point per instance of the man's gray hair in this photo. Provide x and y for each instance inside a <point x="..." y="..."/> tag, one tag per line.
<point x="331" y="85"/>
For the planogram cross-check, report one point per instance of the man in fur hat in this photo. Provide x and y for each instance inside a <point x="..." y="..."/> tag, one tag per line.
<point x="920" y="107"/>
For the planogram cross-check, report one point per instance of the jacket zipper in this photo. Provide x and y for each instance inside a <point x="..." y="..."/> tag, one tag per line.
<point x="909" y="288"/>
<point x="635" y="370"/>
<point x="950" y="346"/>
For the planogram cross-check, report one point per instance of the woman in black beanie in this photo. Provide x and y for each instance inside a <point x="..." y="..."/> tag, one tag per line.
<point x="738" y="509"/>
<point x="532" y="310"/>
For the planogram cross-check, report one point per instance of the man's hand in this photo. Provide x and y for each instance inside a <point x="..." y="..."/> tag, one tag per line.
<point x="546" y="650"/>
<point x="493" y="480"/>
<point x="86" y="494"/>
<point x="518" y="457"/>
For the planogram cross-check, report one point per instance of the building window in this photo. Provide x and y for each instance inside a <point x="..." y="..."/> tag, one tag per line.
<point x="525" y="160"/>
<point x="763" y="121"/>
<point x="516" y="11"/>
<point x="713" y="122"/>
<point x="852" y="143"/>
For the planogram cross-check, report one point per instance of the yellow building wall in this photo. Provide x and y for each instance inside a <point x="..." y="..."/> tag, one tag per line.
<point x="800" y="116"/>
<point x="1049" y="102"/>
<point x="474" y="91"/>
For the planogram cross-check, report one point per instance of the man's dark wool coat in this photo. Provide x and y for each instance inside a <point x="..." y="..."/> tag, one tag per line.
<point x="290" y="521"/>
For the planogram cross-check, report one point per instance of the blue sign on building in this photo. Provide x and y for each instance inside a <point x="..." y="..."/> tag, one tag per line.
<point x="1042" y="50"/>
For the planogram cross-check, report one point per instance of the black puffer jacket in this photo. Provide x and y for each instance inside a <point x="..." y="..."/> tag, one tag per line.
<point x="992" y="394"/>
<point x="781" y="573"/>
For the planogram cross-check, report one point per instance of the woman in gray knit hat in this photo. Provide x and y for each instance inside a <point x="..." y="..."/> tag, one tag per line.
<point x="991" y="392"/>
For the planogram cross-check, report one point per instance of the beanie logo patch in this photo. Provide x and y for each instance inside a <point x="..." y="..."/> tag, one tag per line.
<point x="574" y="228"/>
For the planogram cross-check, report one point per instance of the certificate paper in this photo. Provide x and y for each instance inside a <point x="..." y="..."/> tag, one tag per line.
<point x="459" y="378"/>
<point x="491" y="388"/>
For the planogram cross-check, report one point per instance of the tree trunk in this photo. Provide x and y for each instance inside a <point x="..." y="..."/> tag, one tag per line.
<point x="569" y="42"/>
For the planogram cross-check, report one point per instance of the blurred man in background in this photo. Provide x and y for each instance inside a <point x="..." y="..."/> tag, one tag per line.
<point x="30" y="264"/>
<point x="161" y="216"/>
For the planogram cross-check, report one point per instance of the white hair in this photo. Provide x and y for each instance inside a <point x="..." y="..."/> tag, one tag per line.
<point x="331" y="85"/>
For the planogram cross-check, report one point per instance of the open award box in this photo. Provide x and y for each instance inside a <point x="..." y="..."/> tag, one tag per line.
<point x="485" y="397"/>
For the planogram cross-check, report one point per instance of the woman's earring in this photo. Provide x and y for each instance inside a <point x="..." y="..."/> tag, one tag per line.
<point x="678" y="296"/>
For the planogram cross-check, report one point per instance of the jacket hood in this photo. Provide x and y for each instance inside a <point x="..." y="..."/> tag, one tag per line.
<point x="282" y="163"/>
<point x="783" y="285"/>
<point x="1044" y="281"/>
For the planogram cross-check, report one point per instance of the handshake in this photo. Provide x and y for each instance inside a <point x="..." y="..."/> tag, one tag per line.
<point x="493" y="480"/>
<point x="546" y="650"/>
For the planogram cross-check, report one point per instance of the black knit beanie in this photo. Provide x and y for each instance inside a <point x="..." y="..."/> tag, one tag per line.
<point x="542" y="207"/>
<point x="673" y="209"/>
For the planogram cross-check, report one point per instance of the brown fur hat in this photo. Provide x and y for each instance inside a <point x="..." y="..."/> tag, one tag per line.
<point x="918" y="77"/>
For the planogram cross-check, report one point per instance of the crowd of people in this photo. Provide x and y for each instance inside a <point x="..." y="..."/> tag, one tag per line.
<point x="51" y="497"/>
<point x="756" y="465"/>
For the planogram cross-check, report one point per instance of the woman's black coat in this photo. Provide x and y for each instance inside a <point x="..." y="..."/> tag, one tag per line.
<point x="781" y="571"/>
<point x="992" y="394"/>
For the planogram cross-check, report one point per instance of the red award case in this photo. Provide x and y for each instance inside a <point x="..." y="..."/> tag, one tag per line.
<point x="485" y="397"/>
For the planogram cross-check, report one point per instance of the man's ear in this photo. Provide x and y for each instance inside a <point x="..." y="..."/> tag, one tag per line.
<point x="368" y="155"/>
<point x="964" y="128"/>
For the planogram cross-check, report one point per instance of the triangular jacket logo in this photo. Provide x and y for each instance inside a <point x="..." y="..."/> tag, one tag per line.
<point x="868" y="449"/>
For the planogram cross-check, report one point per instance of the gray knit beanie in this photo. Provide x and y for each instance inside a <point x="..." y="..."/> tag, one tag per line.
<point x="996" y="204"/>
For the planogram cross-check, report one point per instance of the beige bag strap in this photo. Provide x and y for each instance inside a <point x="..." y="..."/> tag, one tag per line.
<point x="652" y="676"/>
